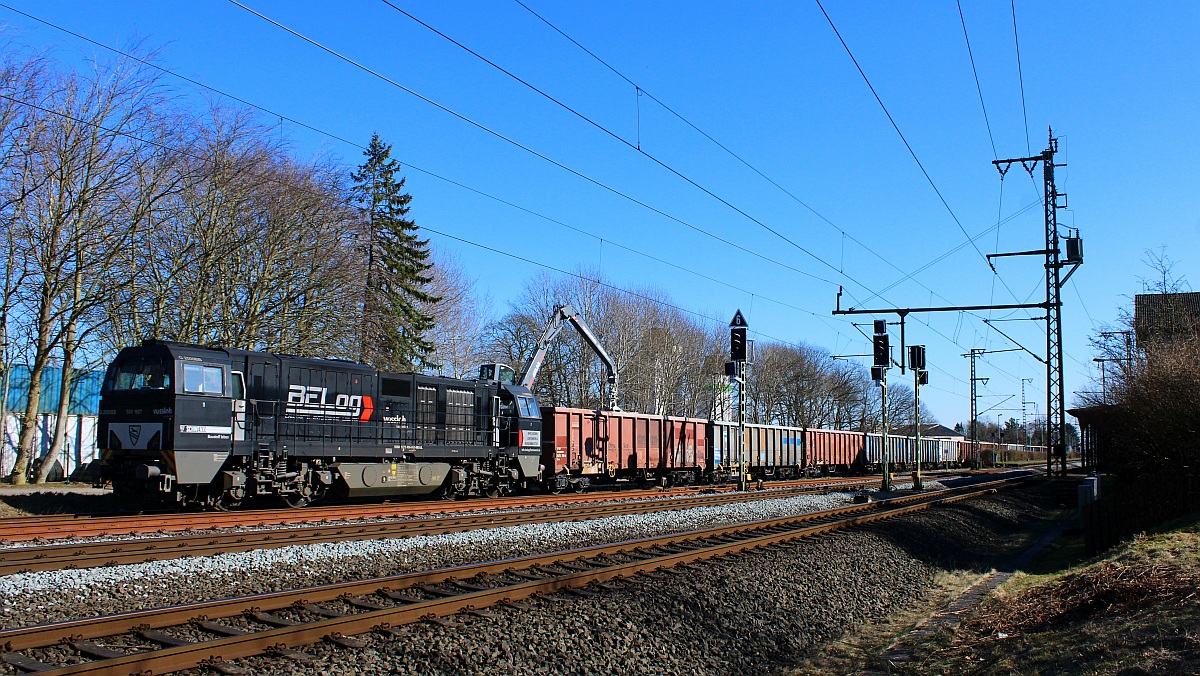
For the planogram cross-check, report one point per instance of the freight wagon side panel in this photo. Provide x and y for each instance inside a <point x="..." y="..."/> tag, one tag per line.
<point x="949" y="450"/>
<point x="721" y="444"/>
<point x="700" y="443"/>
<point x="629" y="444"/>
<point x="590" y="456"/>
<point x="930" y="451"/>
<point x="832" y="447"/>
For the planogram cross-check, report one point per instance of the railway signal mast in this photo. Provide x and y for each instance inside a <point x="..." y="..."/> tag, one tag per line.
<point x="916" y="361"/>
<point x="882" y="362"/>
<point x="736" y="368"/>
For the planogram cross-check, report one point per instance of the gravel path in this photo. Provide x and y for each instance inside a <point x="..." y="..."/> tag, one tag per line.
<point x="48" y="596"/>
<point x="753" y="615"/>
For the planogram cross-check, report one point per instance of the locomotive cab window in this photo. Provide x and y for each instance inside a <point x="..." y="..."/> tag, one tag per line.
<point x="202" y="379"/>
<point x="529" y="407"/>
<point x="138" y="373"/>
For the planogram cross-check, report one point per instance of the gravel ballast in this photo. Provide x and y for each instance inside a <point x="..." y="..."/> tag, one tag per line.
<point x="48" y="596"/>
<point x="755" y="614"/>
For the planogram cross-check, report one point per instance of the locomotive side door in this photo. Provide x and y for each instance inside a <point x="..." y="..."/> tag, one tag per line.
<point x="241" y="432"/>
<point x="262" y="395"/>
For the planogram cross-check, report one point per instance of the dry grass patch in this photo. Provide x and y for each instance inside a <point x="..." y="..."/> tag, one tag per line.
<point x="1135" y="611"/>
<point x="860" y="650"/>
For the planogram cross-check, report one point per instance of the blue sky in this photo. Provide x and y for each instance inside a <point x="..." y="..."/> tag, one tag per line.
<point x="770" y="81"/>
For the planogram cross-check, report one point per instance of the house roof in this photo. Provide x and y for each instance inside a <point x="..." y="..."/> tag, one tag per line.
<point x="1162" y="316"/>
<point x="931" y="430"/>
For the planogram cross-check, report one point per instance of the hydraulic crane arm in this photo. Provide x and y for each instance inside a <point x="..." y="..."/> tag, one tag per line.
<point x="559" y="318"/>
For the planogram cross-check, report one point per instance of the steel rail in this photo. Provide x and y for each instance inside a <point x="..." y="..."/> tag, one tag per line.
<point x="116" y="552"/>
<point x="20" y="529"/>
<point x="572" y="573"/>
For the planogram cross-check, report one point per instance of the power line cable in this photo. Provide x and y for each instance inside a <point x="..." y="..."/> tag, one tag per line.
<point x="910" y="148"/>
<point x="901" y="134"/>
<point x="276" y="180"/>
<point x="427" y="172"/>
<point x="197" y="83"/>
<point x="302" y="188"/>
<point x="524" y="147"/>
<point x="482" y="127"/>
<point x="527" y="149"/>
<point x="978" y="88"/>
<point x="641" y="91"/>
<point x="1020" y="76"/>
<point x="636" y="147"/>
<point x="497" y="134"/>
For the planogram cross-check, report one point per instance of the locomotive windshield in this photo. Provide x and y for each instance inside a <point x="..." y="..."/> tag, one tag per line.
<point x="147" y="372"/>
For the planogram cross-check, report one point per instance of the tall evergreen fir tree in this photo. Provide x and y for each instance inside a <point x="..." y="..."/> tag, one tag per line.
<point x="395" y="320"/>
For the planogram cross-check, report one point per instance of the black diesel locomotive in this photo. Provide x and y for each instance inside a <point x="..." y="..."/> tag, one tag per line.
<point x="212" y="427"/>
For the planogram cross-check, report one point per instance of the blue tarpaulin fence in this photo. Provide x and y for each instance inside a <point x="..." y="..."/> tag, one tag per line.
<point x="84" y="406"/>
<point x="85" y="391"/>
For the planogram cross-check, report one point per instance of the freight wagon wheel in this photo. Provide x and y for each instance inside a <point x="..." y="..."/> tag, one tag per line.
<point x="491" y="491"/>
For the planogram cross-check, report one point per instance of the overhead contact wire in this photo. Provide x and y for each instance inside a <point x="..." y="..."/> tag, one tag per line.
<point x="639" y="150"/>
<point x="526" y="148"/>
<point x="642" y="91"/>
<point x="901" y="134"/>
<point x="624" y="141"/>
<point x="301" y="188"/>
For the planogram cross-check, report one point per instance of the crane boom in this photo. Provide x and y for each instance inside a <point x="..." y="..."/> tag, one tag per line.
<point x="559" y="318"/>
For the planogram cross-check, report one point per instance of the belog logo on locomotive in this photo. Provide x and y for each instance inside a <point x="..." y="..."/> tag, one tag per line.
<point x="312" y="400"/>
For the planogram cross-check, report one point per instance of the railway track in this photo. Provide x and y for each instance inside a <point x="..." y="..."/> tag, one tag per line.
<point x="116" y="552"/>
<point x="211" y="634"/>
<point x="50" y="527"/>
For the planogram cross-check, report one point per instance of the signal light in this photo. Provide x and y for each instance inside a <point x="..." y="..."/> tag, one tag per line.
<point x="877" y="373"/>
<point x="923" y="378"/>
<point x="883" y="351"/>
<point x="880" y="326"/>
<point x="737" y="344"/>
<point x="916" y="357"/>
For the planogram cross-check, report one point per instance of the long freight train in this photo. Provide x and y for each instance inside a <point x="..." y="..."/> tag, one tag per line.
<point x="202" y="426"/>
<point x="585" y="447"/>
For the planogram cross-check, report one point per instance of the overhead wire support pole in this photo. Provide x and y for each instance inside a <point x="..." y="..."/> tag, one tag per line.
<point x="1056" y="415"/>
<point x="975" y="352"/>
